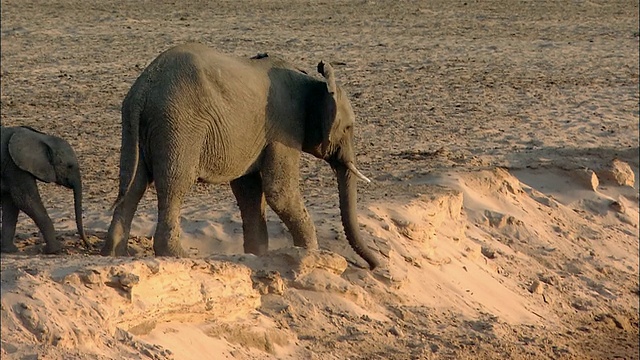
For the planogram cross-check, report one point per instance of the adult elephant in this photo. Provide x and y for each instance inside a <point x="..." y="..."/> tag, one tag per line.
<point x="195" y="114"/>
<point x="29" y="155"/>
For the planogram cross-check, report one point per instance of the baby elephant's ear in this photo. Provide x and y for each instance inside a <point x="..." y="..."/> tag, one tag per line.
<point x="32" y="154"/>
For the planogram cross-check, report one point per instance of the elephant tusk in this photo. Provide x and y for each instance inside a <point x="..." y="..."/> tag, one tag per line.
<point x="357" y="172"/>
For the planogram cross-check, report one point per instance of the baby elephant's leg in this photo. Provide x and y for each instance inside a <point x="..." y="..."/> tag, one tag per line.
<point x="31" y="203"/>
<point x="9" y="220"/>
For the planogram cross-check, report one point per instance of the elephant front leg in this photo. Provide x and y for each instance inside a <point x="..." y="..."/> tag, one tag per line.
<point x="251" y="201"/>
<point x="280" y="182"/>
<point x="32" y="205"/>
<point x="9" y="221"/>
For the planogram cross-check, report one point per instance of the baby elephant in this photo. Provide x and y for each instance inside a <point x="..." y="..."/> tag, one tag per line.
<point x="27" y="155"/>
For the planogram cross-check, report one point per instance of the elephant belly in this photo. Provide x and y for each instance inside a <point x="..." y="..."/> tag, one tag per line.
<point x="218" y="167"/>
<point x="212" y="176"/>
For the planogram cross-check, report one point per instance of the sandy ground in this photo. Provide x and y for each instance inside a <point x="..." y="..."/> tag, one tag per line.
<point x="502" y="138"/>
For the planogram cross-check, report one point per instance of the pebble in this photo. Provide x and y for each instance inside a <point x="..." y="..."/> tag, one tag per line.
<point x="395" y="331"/>
<point x="536" y="287"/>
<point x="617" y="207"/>
<point x="621" y="322"/>
<point x="619" y="172"/>
<point x="588" y="178"/>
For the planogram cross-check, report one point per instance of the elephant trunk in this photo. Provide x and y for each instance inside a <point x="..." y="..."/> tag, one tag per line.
<point x="347" y="188"/>
<point x="77" y="203"/>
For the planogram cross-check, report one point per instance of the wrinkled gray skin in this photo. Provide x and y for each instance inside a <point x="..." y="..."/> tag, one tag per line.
<point x="197" y="115"/>
<point x="27" y="155"/>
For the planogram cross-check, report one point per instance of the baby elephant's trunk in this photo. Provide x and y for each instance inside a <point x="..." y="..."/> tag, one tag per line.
<point x="77" y="202"/>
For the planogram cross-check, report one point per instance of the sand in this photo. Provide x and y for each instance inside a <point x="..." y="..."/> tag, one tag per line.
<point x="501" y="138"/>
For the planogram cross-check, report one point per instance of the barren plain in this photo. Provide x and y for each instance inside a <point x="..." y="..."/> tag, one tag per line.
<point x="502" y="141"/>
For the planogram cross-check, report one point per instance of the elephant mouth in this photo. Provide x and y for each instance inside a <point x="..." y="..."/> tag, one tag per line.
<point x="334" y="163"/>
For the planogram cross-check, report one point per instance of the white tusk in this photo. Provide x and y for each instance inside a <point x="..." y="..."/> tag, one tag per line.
<point x="357" y="172"/>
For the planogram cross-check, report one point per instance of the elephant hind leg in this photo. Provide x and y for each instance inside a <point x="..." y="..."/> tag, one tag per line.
<point x="118" y="235"/>
<point x="9" y="221"/>
<point x="166" y="240"/>
<point x="171" y="189"/>
<point x="251" y="201"/>
<point x="280" y="182"/>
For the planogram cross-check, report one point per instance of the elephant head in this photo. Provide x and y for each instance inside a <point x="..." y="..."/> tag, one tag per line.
<point x="49" y="159"/>
<point x="332" y="114"/>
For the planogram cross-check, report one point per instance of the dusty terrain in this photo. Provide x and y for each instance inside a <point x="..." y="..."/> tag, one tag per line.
<point x="484" y="125"/>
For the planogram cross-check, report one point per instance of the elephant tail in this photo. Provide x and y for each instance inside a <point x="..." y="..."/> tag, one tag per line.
<point x="130" y="148"/>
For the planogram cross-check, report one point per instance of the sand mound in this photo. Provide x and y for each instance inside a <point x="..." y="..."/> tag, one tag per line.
<point x="486" y="246"/>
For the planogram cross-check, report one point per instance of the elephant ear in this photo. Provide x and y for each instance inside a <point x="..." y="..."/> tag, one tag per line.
<point x="32" y="154"/>
<point x="327" y="72"/>
<point x="328" y="117"/>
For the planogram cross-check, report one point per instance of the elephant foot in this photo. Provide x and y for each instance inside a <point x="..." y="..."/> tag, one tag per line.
<point x="307" y="243"/>
<point x="170" y="251"/>
<point x="120" y="250"/>
<point x="312" y="245"/>
<point x="258" y="250"/>
<point x="53" y="248"/>
<point x="9" y="248"/>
